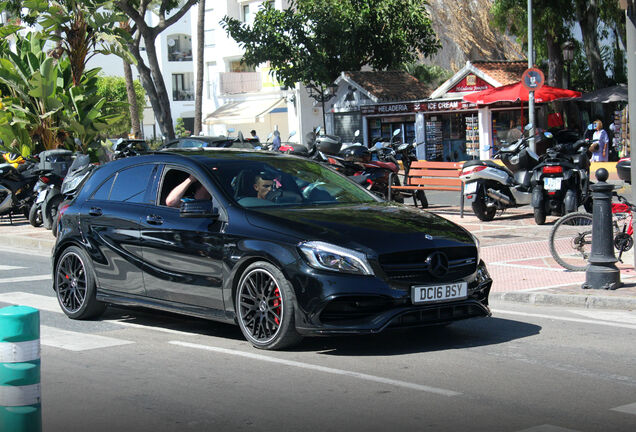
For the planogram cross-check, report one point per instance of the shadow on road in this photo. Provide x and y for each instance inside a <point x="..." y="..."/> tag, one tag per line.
<point x="465" y="334"/>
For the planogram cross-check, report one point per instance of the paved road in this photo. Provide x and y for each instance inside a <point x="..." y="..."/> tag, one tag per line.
<point x="525" y="369"/>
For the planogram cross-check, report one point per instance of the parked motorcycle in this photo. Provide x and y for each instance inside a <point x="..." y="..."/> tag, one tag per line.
<point x="490" y="187"/>
<point x="17" y="178"/>
<point x="78" y="172"/>
<point x="52" y="168"/>
<point x="561" y="182"/>
<point x="408" y="156"/>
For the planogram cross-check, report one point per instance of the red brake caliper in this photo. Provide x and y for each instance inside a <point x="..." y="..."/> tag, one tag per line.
<point x="276" y="305"/>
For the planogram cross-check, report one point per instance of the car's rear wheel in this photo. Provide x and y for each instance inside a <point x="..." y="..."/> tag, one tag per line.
<point x="265" y="307"/>
<point x="75" y="285"/>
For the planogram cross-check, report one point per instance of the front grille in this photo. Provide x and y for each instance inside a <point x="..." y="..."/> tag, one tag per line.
<point x="411" y="267"/>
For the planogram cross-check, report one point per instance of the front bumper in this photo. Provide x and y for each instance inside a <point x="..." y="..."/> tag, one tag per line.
<point x="375" y="306"/>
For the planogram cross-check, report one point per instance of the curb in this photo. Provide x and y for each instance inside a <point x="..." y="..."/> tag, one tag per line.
<point x="40" y="245"/>
<point x="582" y="301"/>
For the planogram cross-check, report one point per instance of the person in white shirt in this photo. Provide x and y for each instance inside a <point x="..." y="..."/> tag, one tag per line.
<point x="601" y="152"/>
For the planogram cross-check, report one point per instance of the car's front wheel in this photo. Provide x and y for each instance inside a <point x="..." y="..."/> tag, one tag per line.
<point x="265" y="307"/>
<point x="75" y="285"/>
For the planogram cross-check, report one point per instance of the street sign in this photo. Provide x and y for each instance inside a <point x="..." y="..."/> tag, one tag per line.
<point x="533" y="79"/>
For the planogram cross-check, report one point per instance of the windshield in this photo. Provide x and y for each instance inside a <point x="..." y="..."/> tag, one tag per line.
<point x="284" y="181"/>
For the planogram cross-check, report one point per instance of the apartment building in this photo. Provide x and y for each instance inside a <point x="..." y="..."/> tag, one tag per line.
<point x="235" y="97"/>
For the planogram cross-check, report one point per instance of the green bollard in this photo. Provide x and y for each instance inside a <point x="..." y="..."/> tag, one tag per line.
<point x="20" y="407"/>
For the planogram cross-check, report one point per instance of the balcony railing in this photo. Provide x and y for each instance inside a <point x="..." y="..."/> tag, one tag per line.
<point x="240" y="82"/>
<point x="183" y="95"/>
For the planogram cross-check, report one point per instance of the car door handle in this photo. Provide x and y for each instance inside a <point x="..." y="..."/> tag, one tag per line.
<point x="154" y="219"/>
<point x="95" y="211"/>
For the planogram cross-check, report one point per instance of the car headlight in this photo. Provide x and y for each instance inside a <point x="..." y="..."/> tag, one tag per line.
<point x="325" y="256"/>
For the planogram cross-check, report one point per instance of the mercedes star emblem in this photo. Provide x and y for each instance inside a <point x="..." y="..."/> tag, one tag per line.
<point x="437" y="264"/>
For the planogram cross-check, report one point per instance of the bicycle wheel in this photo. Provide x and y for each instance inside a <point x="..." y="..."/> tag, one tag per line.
<point x="571" y="241"/>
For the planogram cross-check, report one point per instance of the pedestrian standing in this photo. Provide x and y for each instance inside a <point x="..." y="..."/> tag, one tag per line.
<point x="276" y="141"/>
<point x="600" y="152"/>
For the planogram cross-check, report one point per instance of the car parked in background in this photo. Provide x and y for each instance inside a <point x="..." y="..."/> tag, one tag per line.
<point x="624" y="170"/>
<point x="285" y="248"/>
<point x="221" y="141"/>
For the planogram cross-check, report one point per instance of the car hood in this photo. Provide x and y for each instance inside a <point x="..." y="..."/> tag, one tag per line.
<point x="375" y="227"/>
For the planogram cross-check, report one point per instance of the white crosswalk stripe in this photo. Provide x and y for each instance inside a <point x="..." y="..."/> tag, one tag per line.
<point x="629" y="409"/>
<point x="54" y="337"/>
<point x="8" y="267"/>
<point x="547" y="428"/>
<point x="26" y="278"/>
<point x="74" y="341"/>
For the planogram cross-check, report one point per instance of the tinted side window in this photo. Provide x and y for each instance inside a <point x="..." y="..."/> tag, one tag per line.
<point x="104" y="190"/>
<point x="131" y="184"/>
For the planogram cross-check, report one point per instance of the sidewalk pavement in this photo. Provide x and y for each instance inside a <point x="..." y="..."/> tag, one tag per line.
<point x="514" y="248"/>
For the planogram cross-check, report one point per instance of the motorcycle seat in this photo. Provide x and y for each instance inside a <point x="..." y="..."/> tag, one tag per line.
<point x="386" y="165"/>
<point x="487" y="163"/>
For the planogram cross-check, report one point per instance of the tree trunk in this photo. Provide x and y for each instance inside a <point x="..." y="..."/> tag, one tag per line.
<point x="132" y="101"/>
<point x="555" y="61"/>
<point x="165" y="120"/>
<point x="587" y="15"/>
<point x="198" y="97"/>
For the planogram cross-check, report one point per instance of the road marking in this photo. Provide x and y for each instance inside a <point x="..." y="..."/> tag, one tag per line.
<point x="8" y="267"/>
<point x="74" y="341"/>
<point x="50" y="304"/>
<point x="547" y="428"/>
<point x="37" y="301"/>
<point x="26" y="278"/>
<point x="324" y="369"/>
<point x="560" y="318"/>
<point x="629" y="409"/>
<point x="615" y="316"/>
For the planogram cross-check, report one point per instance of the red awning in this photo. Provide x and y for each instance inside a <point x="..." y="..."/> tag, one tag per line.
<point x="517" y="92"/>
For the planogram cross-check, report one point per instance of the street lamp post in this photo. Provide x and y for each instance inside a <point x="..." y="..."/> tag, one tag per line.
<point x="322" y="94"/>
<point x="568" y="56"/>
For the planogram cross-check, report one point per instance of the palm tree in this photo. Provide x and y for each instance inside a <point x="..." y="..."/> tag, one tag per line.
<point x="198" y="98"/>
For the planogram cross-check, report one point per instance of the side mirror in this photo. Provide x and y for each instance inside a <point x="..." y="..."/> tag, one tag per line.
<point x="318" y="129"/>
<point x="396" y="132"/>
<point x="292" y="133"/>
<point x="356" y="133"/>
<point x="548" y="134"/>
<point x="528" y="127"/>
<point x="198" y="209"/>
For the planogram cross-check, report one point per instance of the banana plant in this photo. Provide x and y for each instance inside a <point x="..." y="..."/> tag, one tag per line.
<point x="33" y="95"/>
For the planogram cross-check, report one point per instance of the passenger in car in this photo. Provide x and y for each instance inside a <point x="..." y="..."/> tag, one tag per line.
<point x="200" y="192"/>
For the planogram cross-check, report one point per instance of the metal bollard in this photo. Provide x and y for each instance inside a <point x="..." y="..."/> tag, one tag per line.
<point x="20" y="408"/>
<point x="602" y="272"/>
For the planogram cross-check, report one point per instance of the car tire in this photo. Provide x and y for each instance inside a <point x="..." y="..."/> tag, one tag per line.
<point x="75" y="286"/>
<point x="265" y="305"/>
<point x="35" y="215"/>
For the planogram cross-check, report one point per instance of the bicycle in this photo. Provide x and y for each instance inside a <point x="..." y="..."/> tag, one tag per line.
<point x="571" y="236"/>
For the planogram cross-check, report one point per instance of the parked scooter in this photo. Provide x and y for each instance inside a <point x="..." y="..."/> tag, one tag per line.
<point x="17" y="178"/>
<point x="561" y="182"/>
<point x="408" y="156"/>
<point x="78" y="172"/>
<point x="52" y="168"/>
<point x="491" y="187"/>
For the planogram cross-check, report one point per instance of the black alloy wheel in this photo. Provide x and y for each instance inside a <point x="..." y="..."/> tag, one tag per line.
<point x="75" y="285"/>
<point x="265" y="307"/>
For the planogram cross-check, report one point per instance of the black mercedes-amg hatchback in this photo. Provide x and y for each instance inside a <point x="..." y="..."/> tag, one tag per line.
<point x="280" y="245"/>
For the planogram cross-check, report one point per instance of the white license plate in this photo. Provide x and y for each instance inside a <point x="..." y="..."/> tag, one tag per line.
<point x="470" y="188"/>
<point x="434" y="293"/>
<point x="552" y="183"/>
<point x="41" y="196"/>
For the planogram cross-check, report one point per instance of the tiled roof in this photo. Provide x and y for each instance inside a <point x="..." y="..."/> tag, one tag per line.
<point x="390" y="86"/>
<point x="506" y="72"/>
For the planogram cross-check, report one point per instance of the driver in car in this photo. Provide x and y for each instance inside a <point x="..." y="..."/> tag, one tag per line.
<point x="263" y="184"/>
<point x="176" y="195"/>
